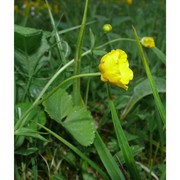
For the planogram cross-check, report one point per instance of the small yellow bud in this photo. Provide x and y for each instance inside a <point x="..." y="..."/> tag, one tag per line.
<point x="148" y="42"/>
<point x="107" y="28"/>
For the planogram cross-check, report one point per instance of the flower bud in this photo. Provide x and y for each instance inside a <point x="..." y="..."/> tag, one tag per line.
<point x="148" y="42"/>
<point x="107" y="28"/>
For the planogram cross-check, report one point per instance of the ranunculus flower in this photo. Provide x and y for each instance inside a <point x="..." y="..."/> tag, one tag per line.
<point x="148" y="42"/>
<point x="114" y="68"/>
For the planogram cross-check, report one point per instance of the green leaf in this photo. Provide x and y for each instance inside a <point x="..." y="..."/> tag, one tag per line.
<point x="141" y="90"/>
<point x="30" y="46"/>
<point x="27" y="39"/>
<point x="29" y="133"/>
<point x="122" y="139"/>
<point x="58" y="105"/>
<point x="76" y="120"/>
<point x="31" y="63"/>
<point x="99" y="52"/>
<point x="159" y="54"/>
<point x="26" y="152"/>
<point x="81" y="126"/>
<point x="92" y="38"/>
<point x="136" y="149"/>
<point x="107" y="159"/>
<point x="36" y="115"/>
<point x="157" y="99"/>
<point x="18" y="141"/>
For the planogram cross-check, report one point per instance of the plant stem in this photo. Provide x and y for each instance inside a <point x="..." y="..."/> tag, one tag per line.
<point x="57" y="36"/>
<point x="157" y="99"/>
<point x="77" y="59"/>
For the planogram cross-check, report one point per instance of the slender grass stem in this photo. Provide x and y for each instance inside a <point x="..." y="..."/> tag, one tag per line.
<point x="157" y="99"/>
<point x="57" y="36"/>
<point x="115" y="40"/>
<point x="77" y="59"/>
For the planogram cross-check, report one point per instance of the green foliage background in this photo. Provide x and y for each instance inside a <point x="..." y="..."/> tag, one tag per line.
<point x="38" y="154"/>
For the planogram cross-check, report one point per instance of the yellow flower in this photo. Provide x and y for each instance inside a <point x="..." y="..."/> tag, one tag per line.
<point x="148" y="42"/>
<point x="114" y="68"/>
<point x="107" y="28"/>
<point x="129" y="1"/>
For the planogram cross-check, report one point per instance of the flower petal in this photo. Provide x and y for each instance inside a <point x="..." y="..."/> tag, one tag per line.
<point x="114" y="68"/>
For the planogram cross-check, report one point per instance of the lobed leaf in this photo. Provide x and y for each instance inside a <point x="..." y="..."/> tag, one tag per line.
<point x="75" y="119"/>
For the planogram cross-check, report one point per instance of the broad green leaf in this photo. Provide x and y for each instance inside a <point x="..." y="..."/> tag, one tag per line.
<point x="81" y="126"/>
<point x="76" y="120"/>
<point x="141" y="90"/>
<point x="31" y="63"/>
<point x="58" y="105"/>
<point x="27" y="39"/>
<point x="30" y="46"/>
<point x="29" y="133"/>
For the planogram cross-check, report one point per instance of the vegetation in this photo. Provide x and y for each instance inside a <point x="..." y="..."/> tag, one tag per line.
<point x="68" y="123"/>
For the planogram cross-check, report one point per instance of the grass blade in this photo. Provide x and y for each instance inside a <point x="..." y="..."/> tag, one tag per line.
<point x="107" y="159"/>
<point x="159" y="54"/>
<point x="77" y="151"/>
<point x="57" y="36"/>
<point x="157" y="99"/>
<point x="122" y="140"/>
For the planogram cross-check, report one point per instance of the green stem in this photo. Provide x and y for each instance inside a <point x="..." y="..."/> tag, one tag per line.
<point x="87" y="92"/>
<point x="77" y="59"/>
<point x="157" y="99"/>
<point x="27" y="87"/>
<point x="58" y="38"/>
<point x="65" y="81"/>
<point x="115" y="40"/>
